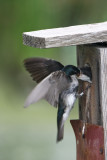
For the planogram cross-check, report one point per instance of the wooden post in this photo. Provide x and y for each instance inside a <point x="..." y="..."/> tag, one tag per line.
<point x="92" y="106"/>
<point x="95" y="102"/>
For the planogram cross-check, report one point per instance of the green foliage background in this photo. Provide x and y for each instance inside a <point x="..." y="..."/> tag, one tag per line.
<point x="31" y="133"/>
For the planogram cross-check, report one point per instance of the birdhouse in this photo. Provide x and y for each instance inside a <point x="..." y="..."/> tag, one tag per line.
<point x="91" y="42"/>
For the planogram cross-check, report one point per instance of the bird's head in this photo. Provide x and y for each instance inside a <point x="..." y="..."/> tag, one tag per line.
<point x="83" y="73"/>
<point x="71" y="70"/>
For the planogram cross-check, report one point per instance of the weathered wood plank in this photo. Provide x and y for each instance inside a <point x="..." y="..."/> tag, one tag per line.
<point x="74" y="35"/>
<point x="93" y="106"/>
<point x="103" y="91"/>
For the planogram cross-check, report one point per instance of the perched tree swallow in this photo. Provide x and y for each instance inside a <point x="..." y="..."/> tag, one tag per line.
<point x="58" y="85"/>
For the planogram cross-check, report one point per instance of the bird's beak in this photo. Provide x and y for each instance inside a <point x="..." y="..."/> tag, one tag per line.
<point x="85" y="74"/>
<point x="84" y="77"/>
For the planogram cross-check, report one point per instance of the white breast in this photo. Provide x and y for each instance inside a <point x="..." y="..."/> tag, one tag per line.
<point x="70" y="99"/>
<point x="69" y="102"/>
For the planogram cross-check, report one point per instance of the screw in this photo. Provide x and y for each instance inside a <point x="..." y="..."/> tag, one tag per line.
<point x="83" y="136"/>
<point x="80" y="130"/>
<point x="101" y="150"/>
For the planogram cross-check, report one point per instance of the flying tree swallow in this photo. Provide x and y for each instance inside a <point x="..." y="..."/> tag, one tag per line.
<point x="57" y="84"/>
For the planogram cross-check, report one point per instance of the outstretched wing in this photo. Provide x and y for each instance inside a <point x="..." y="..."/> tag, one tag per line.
<point x="39" y="68"/>
<point x="49" y="89"/>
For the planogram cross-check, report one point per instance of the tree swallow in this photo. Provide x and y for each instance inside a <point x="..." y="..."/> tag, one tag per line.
<point x="58" y="85"/>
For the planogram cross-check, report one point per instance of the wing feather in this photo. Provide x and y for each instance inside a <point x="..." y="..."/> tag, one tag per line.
<point x="49" y="89"/>
<point x="39" y="68"/>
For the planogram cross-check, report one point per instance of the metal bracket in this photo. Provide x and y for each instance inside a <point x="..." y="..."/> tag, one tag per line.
<point x="89" y="140"/>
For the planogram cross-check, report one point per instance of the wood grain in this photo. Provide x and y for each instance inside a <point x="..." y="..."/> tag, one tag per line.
<point x="93" y="106"/>
<point x="73" y="35"/>
<point x="103" y="91"/>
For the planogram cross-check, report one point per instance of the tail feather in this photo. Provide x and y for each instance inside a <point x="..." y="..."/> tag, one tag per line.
<point x="60" y="133"/>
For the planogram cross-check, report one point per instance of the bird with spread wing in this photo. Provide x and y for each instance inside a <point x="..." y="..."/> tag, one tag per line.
<point x="58" y="84"/>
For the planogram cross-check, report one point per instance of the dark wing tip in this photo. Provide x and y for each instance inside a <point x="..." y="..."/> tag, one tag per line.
<point x="39" y="68"/>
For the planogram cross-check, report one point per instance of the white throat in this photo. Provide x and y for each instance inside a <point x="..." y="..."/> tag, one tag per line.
<point x="74" y="80"/>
